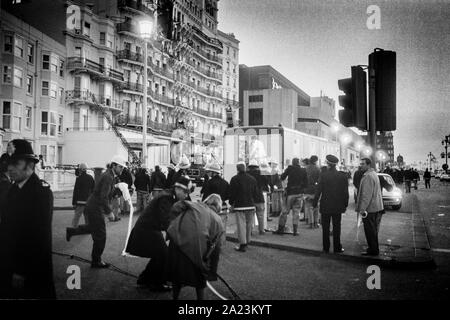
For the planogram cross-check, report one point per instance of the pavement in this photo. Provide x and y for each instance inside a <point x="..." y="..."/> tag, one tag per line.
<point x="403" y="237"/>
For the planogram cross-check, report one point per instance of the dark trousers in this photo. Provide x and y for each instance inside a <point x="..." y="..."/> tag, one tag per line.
<point x="371" y="228"/>
<point x="336" y="220"/>
<point x="155" y="273"/>
<point x="427" y="183"/>
<point x="97" y="229"/>
<point x="408" y="186"/>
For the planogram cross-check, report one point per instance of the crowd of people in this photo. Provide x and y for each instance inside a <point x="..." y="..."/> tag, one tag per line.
<point x="195" y="230"/>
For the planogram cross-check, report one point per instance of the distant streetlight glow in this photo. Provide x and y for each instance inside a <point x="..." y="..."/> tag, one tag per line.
<point x="145" y="29"/>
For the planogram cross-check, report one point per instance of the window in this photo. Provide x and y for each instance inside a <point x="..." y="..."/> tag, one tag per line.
<point x="48" y="124"/>
<point x="255" y="117"/>
<point x="30" y="52"/>
<point x="46" y="61"/>
<point x="102" y="38"/>
<point x="6" y="114"/>
<point x="234" y="53"/>
<point x="258" y="98"/>
<point x="228" y="66"/>
<point x="45" y="87"/>
<point x="30" y="84"/>
<point x="7" y="74"/>
<point x="28" y="113"/>
<point x="78" y="51"/>
<point x="54" y="65"/>
<point x="61" y="68"/>
<point x="60" y="124"/>
<point x="228" y="51"/>
<point x="61" y="95"/>
<point x="234" y="83"/>
<point x="44" y="152"/>
<point x="18" y="47"/>
<point x="44" y="123"/>
<point x="18" y="77"/>
<point x="87" y="29"/>
<point x="53" y="90"/>
<point x="8" y="43"/>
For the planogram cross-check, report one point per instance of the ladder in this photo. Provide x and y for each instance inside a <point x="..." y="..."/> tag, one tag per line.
<point x="136" y="162"/>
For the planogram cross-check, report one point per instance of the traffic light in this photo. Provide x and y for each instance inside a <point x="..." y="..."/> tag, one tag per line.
<point x="354" y="101"/>
<point x="384" y="64"/>
<point x="165" y="18"/>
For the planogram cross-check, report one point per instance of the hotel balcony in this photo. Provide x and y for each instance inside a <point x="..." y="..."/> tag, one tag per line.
<point x="97" y="70"/>
<point x="160" y="98"/>
<point x="206" y="72"/>
<point x="132" y="87"/>
<point x="129" y="56"/>
<point x="136" y="6"/>
<point x="128" y="28"/>
<point x="89" y="98"/>
<point x="207" y="113"/>
<point x="232" y="103"/>
<point x="165" y="72"/>
<point x="209" y="41"/>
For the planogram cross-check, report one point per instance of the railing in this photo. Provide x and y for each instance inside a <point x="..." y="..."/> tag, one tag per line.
<point x="136" y="5"/>
<point x="127" y="27"/>
<point x="133" y="56"/>
<point x="167" y="127"/>
<point x="132" y="86"/>
<point x="207" y="72"/>
<point x="91" y="98"/>
<point x="97" y="68"/>
<point x="210" y="41"/>
<point x="231" y="102"/>
<point x="162" y="71"/>
<point x="160" y="97"/>
<point x="208" y="113"/>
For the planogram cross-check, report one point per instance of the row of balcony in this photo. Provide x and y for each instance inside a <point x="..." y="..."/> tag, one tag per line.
<point x="231" y="102"/>
<point x="136" y="5"/>
<point x="206" y="91"/>
<point x="210" y="41"/>
<point x="85" y="96"/>
<point x="207" y="72"/>
<point x="94" y="68"/>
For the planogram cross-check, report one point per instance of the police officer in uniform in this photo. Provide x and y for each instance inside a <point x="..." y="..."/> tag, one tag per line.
<point x="26" y="270"/>
<point x="333" y="194"/>
<point x="97" y="207"/>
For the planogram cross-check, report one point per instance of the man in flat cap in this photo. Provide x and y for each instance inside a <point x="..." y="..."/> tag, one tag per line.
<point x="26" y="270"/>
<point x="332" y="192"/>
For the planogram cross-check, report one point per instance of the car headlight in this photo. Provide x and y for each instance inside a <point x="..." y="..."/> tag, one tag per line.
<point x="397" y="193"/>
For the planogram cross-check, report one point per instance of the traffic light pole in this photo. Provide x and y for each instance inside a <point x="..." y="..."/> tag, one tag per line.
<point x="372" y="132"/>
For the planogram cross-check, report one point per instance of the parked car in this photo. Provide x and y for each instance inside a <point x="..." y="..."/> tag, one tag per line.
<point x="394" y="197"/>
<point x="445" y="176"/>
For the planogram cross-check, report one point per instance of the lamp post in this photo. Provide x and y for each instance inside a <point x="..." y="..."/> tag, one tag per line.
<point x="146" y="29"/>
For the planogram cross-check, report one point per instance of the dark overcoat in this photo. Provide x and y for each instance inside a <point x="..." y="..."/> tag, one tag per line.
<point x="26" y="240"/>
<point x="146" y="239"/>
<point x="332" y="192"/>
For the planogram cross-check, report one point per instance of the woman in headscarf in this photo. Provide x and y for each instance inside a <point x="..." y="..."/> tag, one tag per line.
<point x="194" y="247"/>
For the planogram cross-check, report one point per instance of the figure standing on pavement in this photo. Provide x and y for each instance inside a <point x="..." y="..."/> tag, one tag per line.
<point x="143" y="188"/>
<point x="243" y="192"/>
<point x="262" y="184"/>
<point x="408" y="175"/>
<point x="26" y="268"/>
<point x="84" y="186"/>
<point x="370" y="206"/>
<point x="126" y="177"/>
<point x="157" y="182"/>
<point x="297" y="182"/>
<point x="313" y="173"/>
<point x="194" y="248"/>
<point x="217" y="185"/>
<point x="357" y="180"/>
<point x="97" y="207"/>
<point x="9" y="151"/>
<point x="147" y="239"/>
<point x="416" y="178"/>
<point x="332" y="192"/>
<point x="427" y="178"/>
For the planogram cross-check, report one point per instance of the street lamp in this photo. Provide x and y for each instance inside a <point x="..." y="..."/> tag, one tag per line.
<point x="445" y="143"/>
<point x="146" y="32"/>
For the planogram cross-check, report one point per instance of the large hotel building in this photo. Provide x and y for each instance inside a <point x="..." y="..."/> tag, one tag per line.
<point x="74" y="82"/>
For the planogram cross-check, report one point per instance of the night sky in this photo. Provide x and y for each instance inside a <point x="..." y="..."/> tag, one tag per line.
<point x="314" y="43"/>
